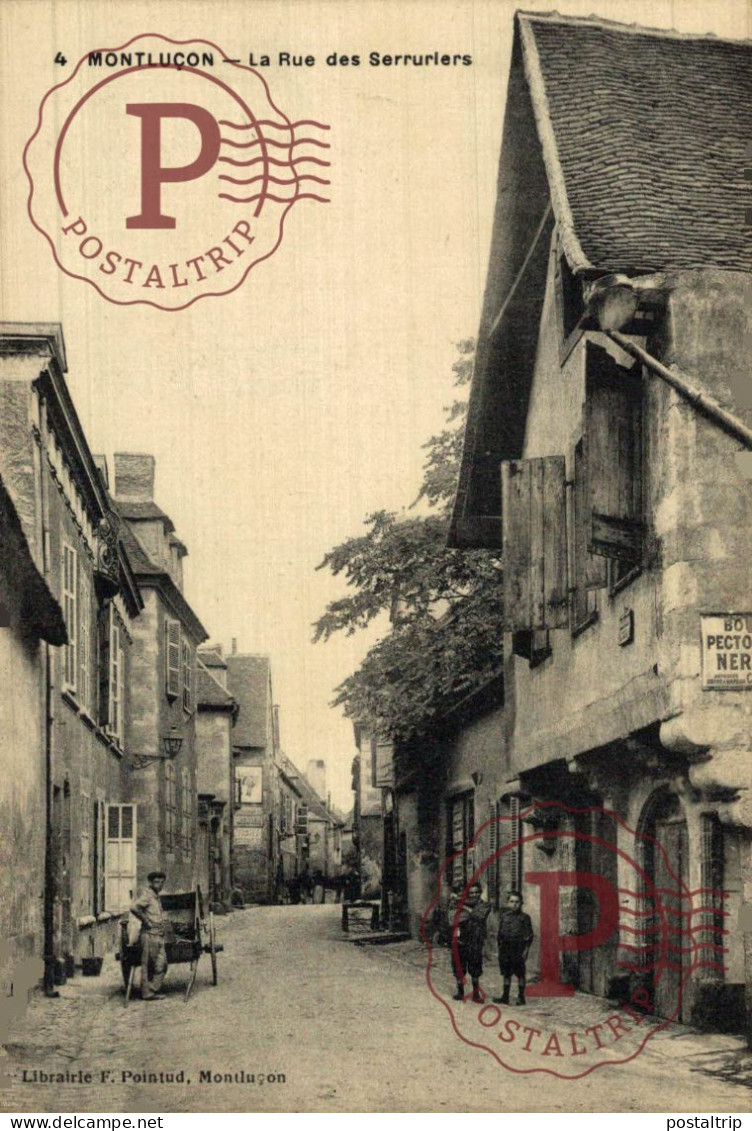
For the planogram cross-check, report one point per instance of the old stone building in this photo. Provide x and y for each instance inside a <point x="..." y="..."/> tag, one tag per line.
<point x="255" y="851"/>
<point x="61" y="499"/>
<point x="217" y="715"/>
<point x="31" y="622"/>
<point x="162" y="779"/>
<point x="620" y="499"/>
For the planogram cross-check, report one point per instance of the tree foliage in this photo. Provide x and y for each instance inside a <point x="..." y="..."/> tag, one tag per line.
<point x="444" y="605"/>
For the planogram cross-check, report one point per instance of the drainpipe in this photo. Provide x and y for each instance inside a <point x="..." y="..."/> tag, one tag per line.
<point x="613" y="301"/>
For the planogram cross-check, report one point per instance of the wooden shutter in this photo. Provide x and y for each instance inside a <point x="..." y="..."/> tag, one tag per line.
<point x="99" y="856"/>
<point x="492" y="873"/>
<point x="612" y="449"/>
<point x="172" y="658"/>
<point x="534" y="556"/>
<point x="103" y="664"/>
<point x="120" y="869"/>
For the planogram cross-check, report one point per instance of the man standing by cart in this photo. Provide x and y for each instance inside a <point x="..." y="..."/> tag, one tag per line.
<point x="148" y="908"/>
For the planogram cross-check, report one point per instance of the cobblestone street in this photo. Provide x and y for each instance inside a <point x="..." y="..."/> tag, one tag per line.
<point x="350" y="1028"/>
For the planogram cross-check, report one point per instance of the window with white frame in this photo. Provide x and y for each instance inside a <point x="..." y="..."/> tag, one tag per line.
<point x="70" y="613"/>
<point x="121" y="857"/>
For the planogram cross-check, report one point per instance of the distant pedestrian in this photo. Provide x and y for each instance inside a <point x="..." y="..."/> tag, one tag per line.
<point x="468" y="927"/>
<point x="147" y="907"/>
<point x="515" y="939"/>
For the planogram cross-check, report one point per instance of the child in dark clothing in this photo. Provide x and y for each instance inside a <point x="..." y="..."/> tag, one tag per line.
<point x="515" y="938"/>
<point x="469" y="929"/>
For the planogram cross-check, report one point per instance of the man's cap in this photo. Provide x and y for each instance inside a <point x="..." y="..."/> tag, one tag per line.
<point x="157" y="876"/>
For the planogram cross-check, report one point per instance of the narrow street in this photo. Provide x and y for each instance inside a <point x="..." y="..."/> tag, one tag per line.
<point x="351" y="1029"/>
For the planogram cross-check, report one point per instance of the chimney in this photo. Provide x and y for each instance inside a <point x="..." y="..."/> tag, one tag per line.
<point x="316" y="774"/>
<point x="134" y="477"/>
<point x="234" y="650"/>
<point x="275" y="710"/>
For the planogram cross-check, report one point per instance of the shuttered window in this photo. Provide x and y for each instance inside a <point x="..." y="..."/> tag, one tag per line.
<point x="534" y="556"/>
<point x="170" y="807"/>
<point x="613" y="458"/>
<point x="172" y="658"/>
<point x="186" y="813"/>
<point x="70" y="613"/>
<point x="120" y="857"/>
<point x="588" y="572"/>
<point x="460" y="832"/>
<point x="493" y="870"/>
<point x="187" y="677"/>
<point x="115" y="680"/>
<point x="510" y="872"/>
<point x="84" y="644"/>
<point x="99" y="857"/>
<point x="104" y="624"/>
<point x="86" y="889"/>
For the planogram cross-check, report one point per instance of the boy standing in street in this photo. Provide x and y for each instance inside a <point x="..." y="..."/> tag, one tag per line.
<point x="470" y="927"/>
<point x="515" y="938"/>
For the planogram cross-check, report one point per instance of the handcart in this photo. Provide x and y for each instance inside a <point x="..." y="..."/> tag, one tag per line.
<point x="188" y="935"/>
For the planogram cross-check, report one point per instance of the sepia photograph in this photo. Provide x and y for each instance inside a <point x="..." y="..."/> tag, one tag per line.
<point x="375" y="542"/>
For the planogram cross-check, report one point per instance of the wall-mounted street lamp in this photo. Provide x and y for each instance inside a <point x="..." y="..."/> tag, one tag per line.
<point x="171" y="744"/>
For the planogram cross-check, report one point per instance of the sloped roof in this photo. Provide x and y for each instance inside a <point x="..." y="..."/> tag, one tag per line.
<point x="209" y="691"/>
<point x="308" y="794"/>
<point x="632" y="143"/>
<point x="148" y="573"/>
<point x="248" y="681"/>
<point x="210" y="658"/>
<point x="40" y="611"/>
<point x="644" y="136"/>
<point x="139" y="510"/>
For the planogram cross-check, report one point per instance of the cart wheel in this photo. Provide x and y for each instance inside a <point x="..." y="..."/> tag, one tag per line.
<point x="213" y="948"/>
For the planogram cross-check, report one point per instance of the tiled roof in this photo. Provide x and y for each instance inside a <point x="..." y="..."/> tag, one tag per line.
<point x="148" y="572"/>
<point x="644" y="136"/>
<point x="140" y="511"/>
<point x="248" y="681"/>
<point x="631" y="144"/>
<point x="209" y="692"/>
<point x="308" y="794"/>
<point x="40" y="610"/>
